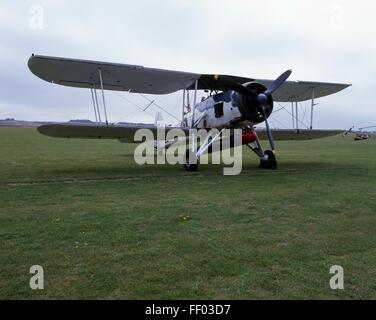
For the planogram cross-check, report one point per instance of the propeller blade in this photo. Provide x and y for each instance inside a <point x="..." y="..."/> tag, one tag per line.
<point x="262" y="97"/>
<point x="233" y="85"/>
<point x="278" y="82"/>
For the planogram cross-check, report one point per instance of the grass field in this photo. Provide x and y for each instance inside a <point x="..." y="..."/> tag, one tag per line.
<point x="103" y="227"/>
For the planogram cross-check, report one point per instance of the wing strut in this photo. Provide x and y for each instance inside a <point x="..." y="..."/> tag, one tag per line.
<point x="194" y="103"/>
<point x="104" y="101"/>
<point x="312" y="105"/>
<point x="96" y="104"/>
<point x="183" y="109"/>
<point x="292" y="114"/>
<point x="95" y="108"/>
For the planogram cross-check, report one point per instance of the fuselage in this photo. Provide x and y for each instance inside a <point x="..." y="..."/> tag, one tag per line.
<point x="218" y="110"/>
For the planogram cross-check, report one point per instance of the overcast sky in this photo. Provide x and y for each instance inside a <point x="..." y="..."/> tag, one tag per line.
<point x="330" y="41"/>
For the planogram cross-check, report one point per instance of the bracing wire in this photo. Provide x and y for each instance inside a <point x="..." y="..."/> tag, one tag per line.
<point x="158" y="106"/>
<point x="300" y="121"/>
<point x="132" y="103"/>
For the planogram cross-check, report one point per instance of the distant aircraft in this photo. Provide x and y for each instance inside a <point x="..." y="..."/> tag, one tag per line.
<point x="362" y="135"/>
<point x="233" y="102"/>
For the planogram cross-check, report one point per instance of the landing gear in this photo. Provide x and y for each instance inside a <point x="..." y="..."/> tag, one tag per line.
<point x="267" y="158"/>
<point x="190" y="166"/>
<point x="269" y="162"/>
<point x="191" y="156"/>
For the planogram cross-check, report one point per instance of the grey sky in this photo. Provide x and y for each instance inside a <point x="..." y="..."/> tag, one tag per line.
<point x="321" y="40"/>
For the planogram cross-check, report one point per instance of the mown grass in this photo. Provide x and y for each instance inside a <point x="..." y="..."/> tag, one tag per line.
<point x="104" y="227"/>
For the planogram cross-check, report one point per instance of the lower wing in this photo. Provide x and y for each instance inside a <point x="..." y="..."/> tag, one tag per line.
<point x="126" y="132"/>
<point x="293" y="134"/>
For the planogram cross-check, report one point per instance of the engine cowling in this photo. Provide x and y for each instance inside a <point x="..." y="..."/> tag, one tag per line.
<point x="249" y="106"/>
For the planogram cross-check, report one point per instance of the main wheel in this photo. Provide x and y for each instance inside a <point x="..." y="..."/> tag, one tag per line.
<point x="271" y="163"/>
<point x="187" y="165"/>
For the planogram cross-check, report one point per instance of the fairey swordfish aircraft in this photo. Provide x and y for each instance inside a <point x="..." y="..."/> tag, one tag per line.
<point x="233" y="103"/>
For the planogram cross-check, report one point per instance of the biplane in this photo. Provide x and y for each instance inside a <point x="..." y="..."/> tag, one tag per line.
<point x="232" y="102"/>
<point x="360" y="134"/>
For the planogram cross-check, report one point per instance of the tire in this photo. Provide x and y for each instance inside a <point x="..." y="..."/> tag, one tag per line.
<point x="189" y="166"/>
<point x="271" y="163"/>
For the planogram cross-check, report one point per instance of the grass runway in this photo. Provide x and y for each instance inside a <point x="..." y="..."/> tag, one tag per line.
<point x="103" y="227"/>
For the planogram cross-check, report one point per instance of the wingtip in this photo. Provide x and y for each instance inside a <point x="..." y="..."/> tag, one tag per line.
<point x="30" y="62"/>
<point x="41" y="129"/>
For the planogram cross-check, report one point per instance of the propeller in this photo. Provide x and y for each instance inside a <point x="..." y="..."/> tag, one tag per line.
<point x="262" y="98"/>
<point x="348" y="131"/>
<point x="236" y="86"/>
<point x="278" y="82"/>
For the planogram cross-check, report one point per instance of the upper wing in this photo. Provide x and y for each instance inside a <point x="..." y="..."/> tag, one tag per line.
<point x="139" y="79"/>
<point x="289" y="134"/>
<point x="292" y="91"/>
<point x="118" y="77"/>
